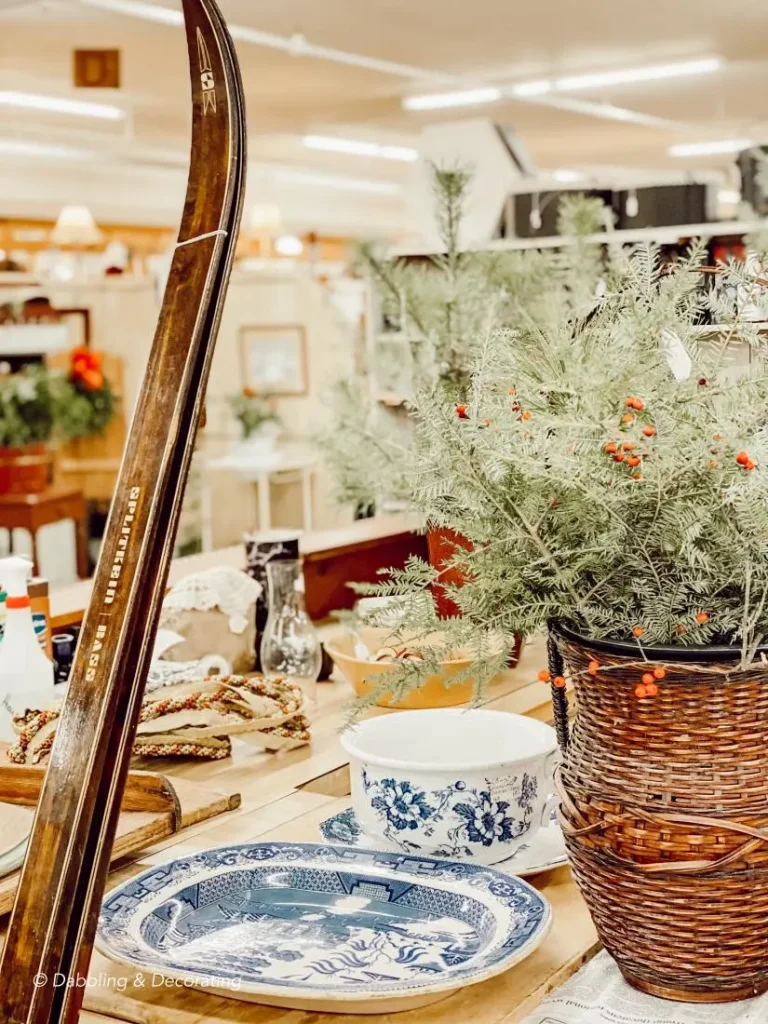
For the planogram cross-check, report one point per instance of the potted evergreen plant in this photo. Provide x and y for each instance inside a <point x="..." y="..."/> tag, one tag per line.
<point x="27" y="421"/>
<point x="611" y="473"/>
<point x="259" y="423"/>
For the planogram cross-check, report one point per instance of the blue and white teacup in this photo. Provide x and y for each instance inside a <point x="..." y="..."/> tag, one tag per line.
<point x="468" y="784"/>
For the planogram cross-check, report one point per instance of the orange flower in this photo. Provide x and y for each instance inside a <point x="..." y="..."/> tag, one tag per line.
<point x="702" y="618"/>
<point x="559" y="682"/>
<point x="544" y="676"/>
<point x="83" y="359"/>
<point x="641" y="691"/>
<point x="638" y="631"/>
<point x="627" y="446"/>
<point x="526" y="415"/>
<point x="611" y="448"/>
<point x="92" y="380"/>
<point x="637" y="475"/>
<point x="659" y="672"/>
<point x="627" y="419"/>
<point x="652" y="690"/>
<point x="633" y="461"/>
<point x="648" y="678"/>
<point x="593" y="668"/>
<point x="649" y="431"/>
<point x="248" y="392"/>
<point x="742" y="458"/>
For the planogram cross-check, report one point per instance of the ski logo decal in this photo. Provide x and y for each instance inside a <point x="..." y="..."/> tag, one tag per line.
<point x="207" y="80"/>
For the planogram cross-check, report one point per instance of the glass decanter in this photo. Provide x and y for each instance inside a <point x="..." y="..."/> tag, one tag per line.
<point x="290" y="645"/>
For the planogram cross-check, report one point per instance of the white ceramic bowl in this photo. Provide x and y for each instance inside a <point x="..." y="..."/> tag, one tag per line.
<point x="468" y="784"/>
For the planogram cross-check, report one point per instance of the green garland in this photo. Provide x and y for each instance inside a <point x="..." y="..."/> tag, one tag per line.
<point x="83" y="412"/>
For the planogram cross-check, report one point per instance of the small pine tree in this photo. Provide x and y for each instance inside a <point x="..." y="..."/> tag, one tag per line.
<point x="445" y="307"/>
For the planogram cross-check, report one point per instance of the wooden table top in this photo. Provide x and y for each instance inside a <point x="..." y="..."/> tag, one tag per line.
<point x="285" y="797"/>
<point x="69" y="601"/>
<point x="56" y="492"/>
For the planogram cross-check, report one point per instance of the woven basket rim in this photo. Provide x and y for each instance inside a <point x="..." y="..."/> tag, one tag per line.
<point x="662" y="652"/>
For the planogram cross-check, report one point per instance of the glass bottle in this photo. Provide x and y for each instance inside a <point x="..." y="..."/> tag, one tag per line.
<point x="290" y="645"/>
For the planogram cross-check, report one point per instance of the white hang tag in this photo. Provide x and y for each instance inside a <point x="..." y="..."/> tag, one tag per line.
<point x="674" y="351"/>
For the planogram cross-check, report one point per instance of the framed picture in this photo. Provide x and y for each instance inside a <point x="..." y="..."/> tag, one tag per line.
<point x="274" y="359"/>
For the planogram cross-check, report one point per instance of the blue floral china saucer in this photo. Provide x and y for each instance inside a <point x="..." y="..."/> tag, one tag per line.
<point x="543" y="853"/>
<point x="327" y="928"/>
<point x="15" y="826"/>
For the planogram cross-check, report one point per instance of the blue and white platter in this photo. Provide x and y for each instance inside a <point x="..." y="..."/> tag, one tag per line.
<point x="544" y="852"/>
<point x="15" y="827"/>
<point x="327" y="928"/>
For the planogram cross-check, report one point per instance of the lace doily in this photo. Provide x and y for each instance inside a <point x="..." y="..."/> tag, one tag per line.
<point x="598" y="994"/>
<point x="231" y="591"/>
<point x="168" y="673"/>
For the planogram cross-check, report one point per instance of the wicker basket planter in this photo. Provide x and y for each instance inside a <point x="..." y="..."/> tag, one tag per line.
<point x="665" y="813"/>
<point x="25" y="470"/>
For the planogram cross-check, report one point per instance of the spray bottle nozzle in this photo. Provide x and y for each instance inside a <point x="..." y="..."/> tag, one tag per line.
<point x="15" y="571"/>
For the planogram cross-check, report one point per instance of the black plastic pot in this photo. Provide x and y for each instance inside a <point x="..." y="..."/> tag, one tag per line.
<point x="658" y="652"/>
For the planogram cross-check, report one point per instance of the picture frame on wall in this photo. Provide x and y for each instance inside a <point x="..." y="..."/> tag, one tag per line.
<point x="274" y="359"/>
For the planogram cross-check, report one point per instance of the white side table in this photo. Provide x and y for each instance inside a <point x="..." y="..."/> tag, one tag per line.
<point x="259" y="470"/>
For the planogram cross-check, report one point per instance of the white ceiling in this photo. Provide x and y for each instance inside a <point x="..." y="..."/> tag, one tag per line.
<point x="442" y="42"/>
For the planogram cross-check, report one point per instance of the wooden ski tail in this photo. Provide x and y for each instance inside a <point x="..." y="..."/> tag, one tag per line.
<point x="56" y="910"/>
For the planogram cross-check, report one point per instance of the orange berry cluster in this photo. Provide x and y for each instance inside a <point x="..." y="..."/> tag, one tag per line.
<point x="744" y="460"/>
<point x="546" y="677"/>
<point x="648" y="686"/>
<point x="626" y="451"/>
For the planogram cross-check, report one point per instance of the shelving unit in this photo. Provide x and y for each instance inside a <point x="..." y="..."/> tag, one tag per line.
<point x="677" y="234"/>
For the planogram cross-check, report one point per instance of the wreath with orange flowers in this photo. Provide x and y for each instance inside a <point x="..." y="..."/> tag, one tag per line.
<point x="88" y="403"/>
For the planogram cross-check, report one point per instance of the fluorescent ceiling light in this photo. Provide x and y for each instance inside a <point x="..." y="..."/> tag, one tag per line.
<point x="537" y="87"/>
<point x="339" y="182"/>
<point x="356" y="147"/>
<point x="566" y="176"/>
<point x="729" y="196"/>
<point x="18" y="147"/>
<point x="60" y="105"/>
<point x="653" y="72"/>
<point x="710" y="148"/>
<point x="598" y="79"/>
<point x="465" y="98"/>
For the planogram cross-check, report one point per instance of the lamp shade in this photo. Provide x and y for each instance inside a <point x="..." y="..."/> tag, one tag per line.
<point x="76" y="226"/>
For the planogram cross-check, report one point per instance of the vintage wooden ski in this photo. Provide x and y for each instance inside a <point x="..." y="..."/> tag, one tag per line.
<point x="56" y="910"/>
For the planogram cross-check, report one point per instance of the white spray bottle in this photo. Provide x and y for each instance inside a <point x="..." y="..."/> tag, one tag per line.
<point x="26" y="674"/>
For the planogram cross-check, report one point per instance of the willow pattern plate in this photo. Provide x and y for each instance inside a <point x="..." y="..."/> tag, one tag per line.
<point x="322" y="927"/>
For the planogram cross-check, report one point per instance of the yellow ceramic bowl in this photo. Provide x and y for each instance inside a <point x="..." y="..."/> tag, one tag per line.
<point x="364" y="675"/>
